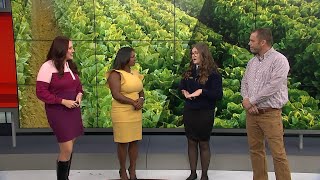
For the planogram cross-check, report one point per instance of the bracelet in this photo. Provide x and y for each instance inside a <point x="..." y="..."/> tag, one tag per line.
<point x="142" y="97"/>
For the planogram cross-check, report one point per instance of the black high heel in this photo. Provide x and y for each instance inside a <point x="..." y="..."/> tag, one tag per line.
<point x="120" y="174"/>
<point x="135" y="178"/>
<point x="205" y="177"/>
<point x="192" y="176"/>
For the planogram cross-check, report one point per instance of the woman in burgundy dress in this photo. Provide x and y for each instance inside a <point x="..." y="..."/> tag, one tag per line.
<point x="59" y="87"/>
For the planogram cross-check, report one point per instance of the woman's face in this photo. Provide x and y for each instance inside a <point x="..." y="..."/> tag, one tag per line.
<point x="70" y="51"/>
<point x="132" y="60"/>
<point x="195" y="56"/>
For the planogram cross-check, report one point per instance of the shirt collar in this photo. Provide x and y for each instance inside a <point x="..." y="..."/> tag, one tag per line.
<point x="265" y="55"/>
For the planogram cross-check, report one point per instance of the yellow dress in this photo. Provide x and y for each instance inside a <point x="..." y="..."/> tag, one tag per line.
<point x="126" y="121"/>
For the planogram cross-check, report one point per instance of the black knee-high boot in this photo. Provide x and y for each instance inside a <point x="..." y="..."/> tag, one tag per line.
<point x="69" y="165"/>
<point x="62" y="170"/>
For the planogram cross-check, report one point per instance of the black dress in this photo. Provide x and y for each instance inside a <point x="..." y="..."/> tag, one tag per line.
<point x="198" y="114"/>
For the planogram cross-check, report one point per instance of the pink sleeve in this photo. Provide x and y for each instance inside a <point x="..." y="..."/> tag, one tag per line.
<point x="43" y="82"/>
<point x="45" y="72"/>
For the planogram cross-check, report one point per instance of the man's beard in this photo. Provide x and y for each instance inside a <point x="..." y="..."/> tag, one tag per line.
<point x="254" y="51"/>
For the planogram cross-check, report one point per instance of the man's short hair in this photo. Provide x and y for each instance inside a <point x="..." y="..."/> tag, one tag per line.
<point x="264" y="34"/>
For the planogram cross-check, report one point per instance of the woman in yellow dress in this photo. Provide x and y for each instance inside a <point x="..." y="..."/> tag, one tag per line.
<point x="126" y="112"/>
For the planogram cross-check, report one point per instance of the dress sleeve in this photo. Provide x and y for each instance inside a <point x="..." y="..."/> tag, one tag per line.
<point x="182" y="85"/>
<point x="45" y="73"/>
<point x="213" y="88"/>
<point x="108" y="74"/>
<point x="44" y="94"/>
<point x="79" y="88"/>
<point x="42" y="85"/>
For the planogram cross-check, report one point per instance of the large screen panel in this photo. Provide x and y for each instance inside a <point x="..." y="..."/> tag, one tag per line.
<point x="162" y="33"/>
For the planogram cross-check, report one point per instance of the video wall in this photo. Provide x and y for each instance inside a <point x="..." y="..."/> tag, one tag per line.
<point x="162" y="32"/>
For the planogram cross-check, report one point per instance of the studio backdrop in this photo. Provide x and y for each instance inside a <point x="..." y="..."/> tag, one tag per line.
<point x="162" y="32"/>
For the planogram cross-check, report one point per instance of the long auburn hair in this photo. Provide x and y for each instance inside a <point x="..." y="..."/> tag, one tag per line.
<point x="57" y="53"/>
<point x="206" y="66"/>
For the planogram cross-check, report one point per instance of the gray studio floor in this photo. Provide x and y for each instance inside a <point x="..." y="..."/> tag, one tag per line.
<point x="161" y="157"/>
<point x="142" y="174"/>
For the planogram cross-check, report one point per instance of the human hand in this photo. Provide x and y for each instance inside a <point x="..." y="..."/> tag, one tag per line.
<point x="69" y="103"/>
<point x="195" y="94"/>
<point x="138" y="103"/>
<point x="253" y="110"/>
<point x="186" y="94"/>
<point x="79" y="98"/>
<point x="246" y="103"/>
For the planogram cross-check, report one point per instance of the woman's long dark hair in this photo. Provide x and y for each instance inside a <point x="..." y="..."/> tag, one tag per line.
<point x="207" y="65"/>
<point x="122" y="58"/>
<point x="57" y="54"/>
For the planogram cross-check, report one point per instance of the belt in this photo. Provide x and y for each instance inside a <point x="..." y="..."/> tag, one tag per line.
<point x="269" y="109"/>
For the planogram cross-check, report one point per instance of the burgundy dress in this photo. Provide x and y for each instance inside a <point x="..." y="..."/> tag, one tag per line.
<point x="66" y="123"/>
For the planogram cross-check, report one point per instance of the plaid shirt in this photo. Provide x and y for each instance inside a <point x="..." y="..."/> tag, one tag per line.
<point x="265" y="80"/>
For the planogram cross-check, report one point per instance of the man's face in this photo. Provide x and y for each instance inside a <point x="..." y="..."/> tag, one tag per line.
<point x="255" y="43"/>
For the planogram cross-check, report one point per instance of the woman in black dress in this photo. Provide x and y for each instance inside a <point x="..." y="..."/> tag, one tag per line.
<point x="202" y="87"/>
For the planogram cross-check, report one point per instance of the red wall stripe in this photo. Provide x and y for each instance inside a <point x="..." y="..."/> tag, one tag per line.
<point x="8" y="79"/>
